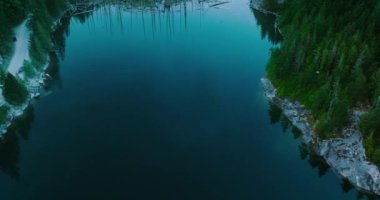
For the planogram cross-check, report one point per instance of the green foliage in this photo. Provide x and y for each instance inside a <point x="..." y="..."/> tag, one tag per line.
<point x="329" y="61"/>
<point x="14" y="92"/>
<point x="370" y="122"/>
<point x="376" y="157"/>
<point x="28" y="69"/>
<point x="3" y="113"/>
<point x="372" y="152"/>
<point x="3" y="76"/>
<point x="40" y="14"/>
<point x="271" y="5"/>
<point x="339" y="115"/>
<point x="321" y="98"/>
<point x="11" y="13"/>
<point x="376" y="15"/>
<point x="369" y="145"/>
<point x="324" y="127"/>
<point x="41" y="25"/>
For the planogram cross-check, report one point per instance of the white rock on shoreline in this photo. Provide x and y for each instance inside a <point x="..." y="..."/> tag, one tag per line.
<point x="345" y="155"/>
<point x="33" y="84"/>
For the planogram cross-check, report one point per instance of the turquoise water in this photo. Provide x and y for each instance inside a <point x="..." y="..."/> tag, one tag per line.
<point x="161" y="104"/>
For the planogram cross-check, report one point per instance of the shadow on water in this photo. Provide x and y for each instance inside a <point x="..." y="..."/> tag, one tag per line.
<point x="308" y="154"/>
<point x="161" y="16"/>
<point x="267" y="24"/>
<point x="20" y="127"/>
<point x="155" y="16"/>
<point x="9" y="143"/>
<point x="159" y="11"/>
<point x="59" y="39"/>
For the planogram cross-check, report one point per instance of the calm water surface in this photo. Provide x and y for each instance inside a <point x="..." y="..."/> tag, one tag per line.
<point x="162" y="105"/>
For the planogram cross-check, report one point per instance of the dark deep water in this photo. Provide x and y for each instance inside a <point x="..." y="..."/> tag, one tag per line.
<point x="162" y="105"/>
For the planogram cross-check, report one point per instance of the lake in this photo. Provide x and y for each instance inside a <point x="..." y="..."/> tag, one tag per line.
<point x="162" y="102"/>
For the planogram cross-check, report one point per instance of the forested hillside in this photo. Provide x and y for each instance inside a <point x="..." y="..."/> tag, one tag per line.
<point x="40" y="16"/>
<point x="329" y="60"/>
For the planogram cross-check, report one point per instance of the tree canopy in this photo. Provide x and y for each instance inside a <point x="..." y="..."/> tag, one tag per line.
<point x="329" y="61"/>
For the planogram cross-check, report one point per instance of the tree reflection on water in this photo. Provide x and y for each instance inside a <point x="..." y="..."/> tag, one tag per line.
<point x="267" y="23"/>
<point x="161" y="12"/>
<point x="9" y="143"/>
<point x="307" y="153"/>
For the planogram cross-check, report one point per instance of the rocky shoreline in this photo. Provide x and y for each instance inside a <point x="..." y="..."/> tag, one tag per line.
<point x="345" y="155"/>
<point x="33" y="86"/>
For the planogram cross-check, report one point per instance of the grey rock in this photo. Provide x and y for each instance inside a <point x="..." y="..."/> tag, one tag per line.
<point x="345" y="155"/>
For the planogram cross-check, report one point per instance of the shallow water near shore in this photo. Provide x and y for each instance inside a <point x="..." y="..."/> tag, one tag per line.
<point x="162" y="104"/>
